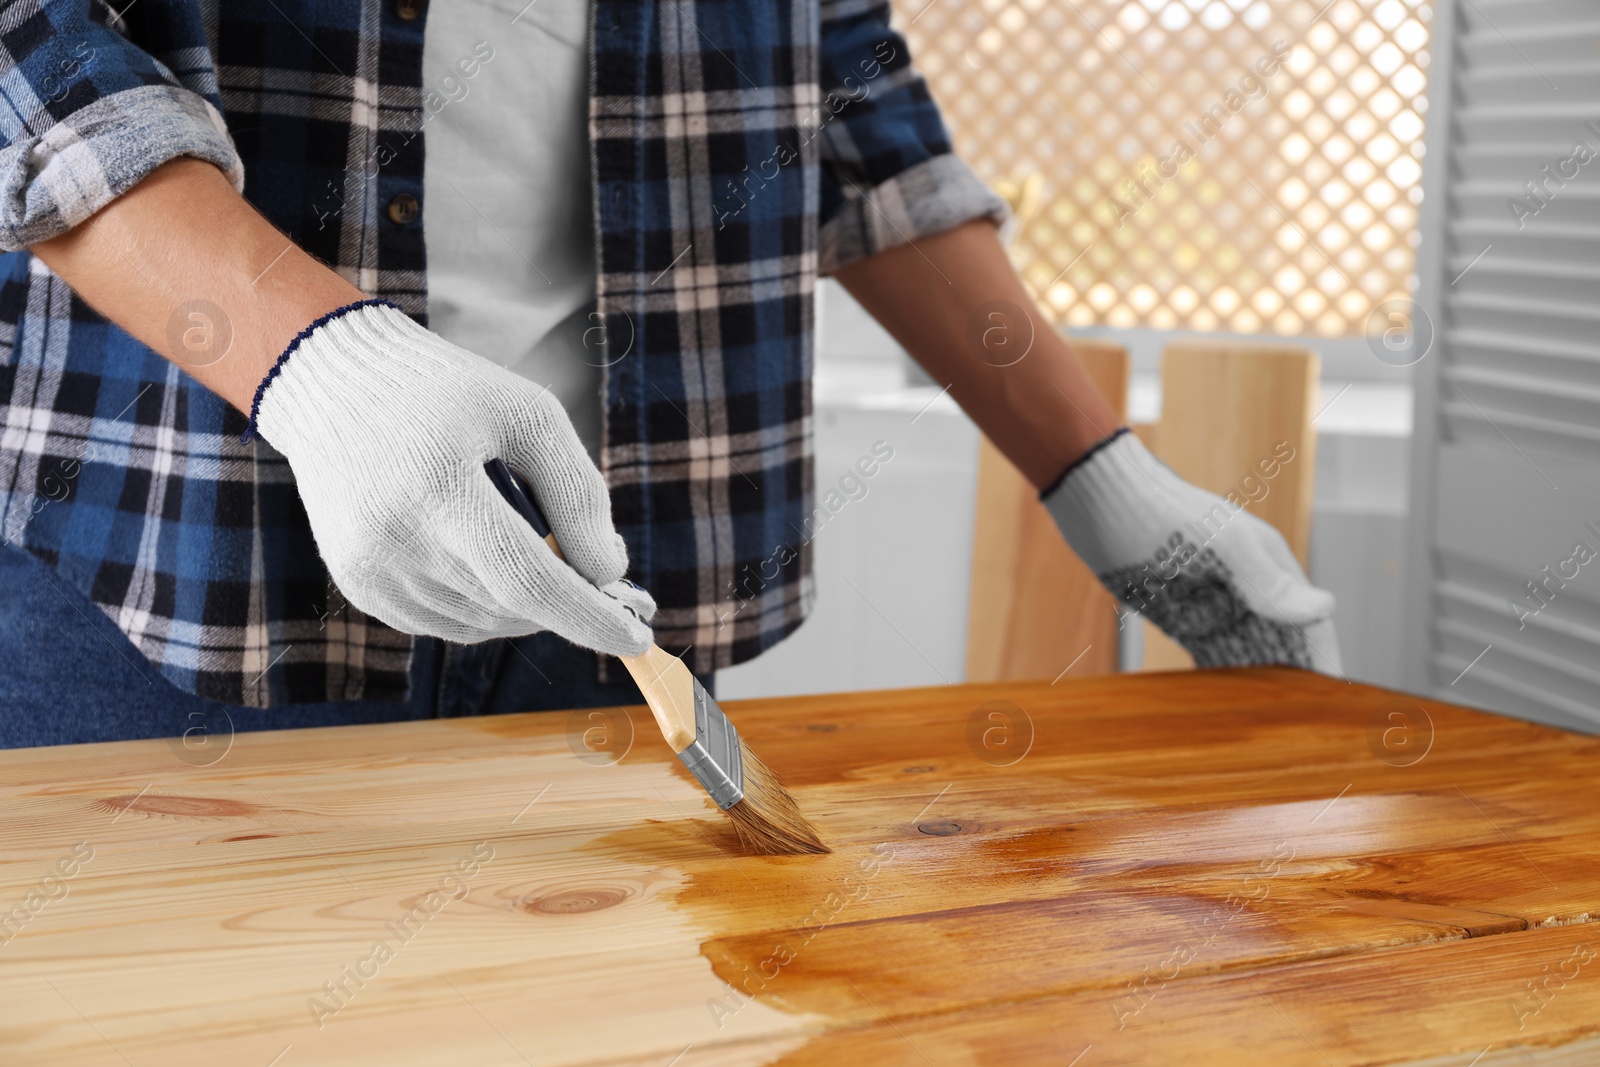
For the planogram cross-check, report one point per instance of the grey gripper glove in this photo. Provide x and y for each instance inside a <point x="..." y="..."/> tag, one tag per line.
<point x="387" y="428"/>
<point x="1215" y="578"/>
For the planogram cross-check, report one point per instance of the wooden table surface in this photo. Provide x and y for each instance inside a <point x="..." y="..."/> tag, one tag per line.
<point x="1200" y="868"/>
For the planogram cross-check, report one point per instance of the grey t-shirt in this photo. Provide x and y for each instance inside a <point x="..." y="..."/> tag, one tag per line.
<point x="506" y="187"/>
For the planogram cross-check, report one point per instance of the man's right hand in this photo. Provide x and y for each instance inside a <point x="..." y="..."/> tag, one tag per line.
<point x="387" y="427"/>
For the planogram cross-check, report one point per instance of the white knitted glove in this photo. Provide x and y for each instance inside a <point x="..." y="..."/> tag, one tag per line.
<point x="387" y="428"/>
<point x="1215" y="578"/>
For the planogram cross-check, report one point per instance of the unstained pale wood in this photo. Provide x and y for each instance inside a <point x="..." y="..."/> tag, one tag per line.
<point x="1214" y="867"/>
<point x="1035" y="610"/>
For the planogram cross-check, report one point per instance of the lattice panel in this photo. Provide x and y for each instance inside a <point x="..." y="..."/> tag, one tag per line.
<point x="1297" y="214"/>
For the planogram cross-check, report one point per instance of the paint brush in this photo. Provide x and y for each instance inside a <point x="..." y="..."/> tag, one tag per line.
<point x="764" y="814"/>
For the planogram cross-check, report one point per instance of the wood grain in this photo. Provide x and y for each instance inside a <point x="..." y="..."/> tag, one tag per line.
<point x="1207" y="867"/>
<point x="1035" y="609"/>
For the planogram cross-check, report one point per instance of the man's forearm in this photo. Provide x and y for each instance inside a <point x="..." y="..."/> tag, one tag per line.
<point x="187" y="266"/>
<point x="1043" y="411"/>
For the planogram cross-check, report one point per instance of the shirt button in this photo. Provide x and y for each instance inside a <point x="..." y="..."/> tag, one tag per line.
<point x="404" y="209"/>
<point x="410" y="9"/>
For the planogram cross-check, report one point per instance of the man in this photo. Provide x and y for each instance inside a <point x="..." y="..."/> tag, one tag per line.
<point x="227" y="427"/>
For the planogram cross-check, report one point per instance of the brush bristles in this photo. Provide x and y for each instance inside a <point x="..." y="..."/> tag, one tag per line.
<point x="768" y="820"/>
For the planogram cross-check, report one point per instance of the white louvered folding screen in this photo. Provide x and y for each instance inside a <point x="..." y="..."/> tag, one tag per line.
<point x="1504" y="580"/>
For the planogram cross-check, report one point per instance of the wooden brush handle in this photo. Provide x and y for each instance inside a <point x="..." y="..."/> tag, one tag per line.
<point x="667" y="685"/>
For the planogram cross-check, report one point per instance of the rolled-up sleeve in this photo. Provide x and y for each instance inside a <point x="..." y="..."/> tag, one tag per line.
<point x="889" y="175"/>
<point x="84" y="116"/>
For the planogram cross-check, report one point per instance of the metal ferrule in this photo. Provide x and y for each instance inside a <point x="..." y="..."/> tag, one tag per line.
<point x="714" y="758"/>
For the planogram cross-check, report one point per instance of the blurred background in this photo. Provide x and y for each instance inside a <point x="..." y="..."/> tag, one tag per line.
<point x="1362" y="233"/>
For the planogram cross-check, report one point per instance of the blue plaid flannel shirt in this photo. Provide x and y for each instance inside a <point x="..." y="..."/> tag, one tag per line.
<point x="738" y="148"/>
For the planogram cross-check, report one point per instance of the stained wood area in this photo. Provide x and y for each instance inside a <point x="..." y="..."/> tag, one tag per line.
<point x="1213" y="867"/>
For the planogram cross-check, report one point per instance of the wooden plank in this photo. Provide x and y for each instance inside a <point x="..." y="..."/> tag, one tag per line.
<point x="1230" y="412"/>
<point x="1268" y="818"/>
<point x="1035" y="609"/>
<point x="1227" y="409"/>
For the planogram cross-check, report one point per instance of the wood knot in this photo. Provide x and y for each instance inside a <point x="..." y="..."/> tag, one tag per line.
<point x="942" y="828"/>
<point x="576" y="901"/>
<point x="920" y="768"/>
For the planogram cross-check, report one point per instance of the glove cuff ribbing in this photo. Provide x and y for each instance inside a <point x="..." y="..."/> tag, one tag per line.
<point x="277" y="366"/>
<point x="1081" y="460"/>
